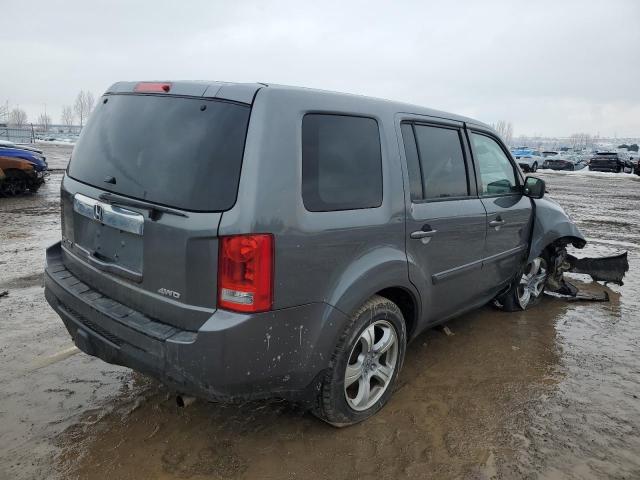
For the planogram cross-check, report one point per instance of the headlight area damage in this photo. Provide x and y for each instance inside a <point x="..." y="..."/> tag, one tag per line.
<point x="553" y="231"/>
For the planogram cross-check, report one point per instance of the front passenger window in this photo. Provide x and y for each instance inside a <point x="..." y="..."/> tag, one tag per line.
<point x="497" y="175"/>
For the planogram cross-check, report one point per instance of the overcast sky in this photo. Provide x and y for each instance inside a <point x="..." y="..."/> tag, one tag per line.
<point x="551" y="68"/>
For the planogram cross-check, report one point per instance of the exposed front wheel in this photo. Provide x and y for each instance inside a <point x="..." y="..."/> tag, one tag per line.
<point x="528" y="289"/>
<point x="534" y="167"/>
<point x="365" y="364"/>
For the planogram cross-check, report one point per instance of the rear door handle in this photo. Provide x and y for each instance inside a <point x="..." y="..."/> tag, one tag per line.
<point x="498" y="222"/>
<point x="423" y="234"/>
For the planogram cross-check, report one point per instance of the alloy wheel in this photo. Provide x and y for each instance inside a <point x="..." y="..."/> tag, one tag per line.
<point x="532" y="282"/>
<point x="372" y="363"/>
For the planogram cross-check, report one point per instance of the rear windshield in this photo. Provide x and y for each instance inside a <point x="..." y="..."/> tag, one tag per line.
<point x="180" y="152"/>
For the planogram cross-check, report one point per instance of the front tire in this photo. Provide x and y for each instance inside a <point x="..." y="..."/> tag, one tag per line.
<point x="534" y="167"/>
<point x="365" y="364"/>
<point x="528" y="289"/>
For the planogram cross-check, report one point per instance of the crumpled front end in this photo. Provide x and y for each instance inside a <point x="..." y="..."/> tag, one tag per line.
<point x="553" y="231"/>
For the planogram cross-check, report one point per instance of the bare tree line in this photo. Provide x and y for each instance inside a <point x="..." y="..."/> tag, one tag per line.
<point x="67" y="117"/>
<point x="17" y="117"/>
<point x="575" y="140"/>
<point x="4" y="112"/>
<point x="583" y="140"/>
<point x="44" y="120"/>
<point x="505" y="130"/>
<point x="83" y="105"/>
<point x="80" y="110"/>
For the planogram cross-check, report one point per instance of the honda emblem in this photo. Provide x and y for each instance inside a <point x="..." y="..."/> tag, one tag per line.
<point x="98" y="212"/>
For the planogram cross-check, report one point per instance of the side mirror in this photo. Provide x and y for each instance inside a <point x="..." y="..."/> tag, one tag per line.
<point x="534" y="187"/>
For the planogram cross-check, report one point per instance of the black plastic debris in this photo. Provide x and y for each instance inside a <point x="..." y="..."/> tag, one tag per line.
<point x="604" y="269"/>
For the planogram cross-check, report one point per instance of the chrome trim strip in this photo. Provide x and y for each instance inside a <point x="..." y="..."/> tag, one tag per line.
<point x="506" y="253"/>
<point x="452" y="272"/>
<point x="111" y="215"/>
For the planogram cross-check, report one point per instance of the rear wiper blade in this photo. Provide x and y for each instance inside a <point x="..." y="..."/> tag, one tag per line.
<point x="129" y="202"/>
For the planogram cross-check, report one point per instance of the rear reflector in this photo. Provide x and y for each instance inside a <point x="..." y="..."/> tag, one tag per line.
<point x="245" y="273"/>
<point x="152" y="87"/>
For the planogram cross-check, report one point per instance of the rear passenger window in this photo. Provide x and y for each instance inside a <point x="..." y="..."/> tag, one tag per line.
<point x="341" y="163"/>
<point x="442" y="164"/>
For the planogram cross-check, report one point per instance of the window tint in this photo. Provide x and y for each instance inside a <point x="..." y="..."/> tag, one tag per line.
<point x="442" y="163"/>
<point x="341" y="163"/>
<point x="181" y="152"/>
<point x="413" y="163"/>
<point x="497" y="175"/>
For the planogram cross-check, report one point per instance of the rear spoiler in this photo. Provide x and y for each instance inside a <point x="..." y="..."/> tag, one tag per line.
<point x="235" y="92"/>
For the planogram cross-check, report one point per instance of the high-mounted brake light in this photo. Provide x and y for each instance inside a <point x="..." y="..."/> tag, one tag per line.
<point x="245" y="273"/>
<point x="148" y="87"/>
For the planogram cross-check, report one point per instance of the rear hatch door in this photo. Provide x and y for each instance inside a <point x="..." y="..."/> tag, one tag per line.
<point x="143" y="197"/>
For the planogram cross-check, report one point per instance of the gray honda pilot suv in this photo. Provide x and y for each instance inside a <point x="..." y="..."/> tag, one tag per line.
<point x="243" y="241"/>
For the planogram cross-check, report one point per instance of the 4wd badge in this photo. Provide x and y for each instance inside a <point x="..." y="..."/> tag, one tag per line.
<point x="168" y="293"/>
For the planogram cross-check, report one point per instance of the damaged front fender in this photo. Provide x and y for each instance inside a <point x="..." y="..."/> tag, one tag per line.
<point x="552" y="231"/>
<point x="550" y="224"/>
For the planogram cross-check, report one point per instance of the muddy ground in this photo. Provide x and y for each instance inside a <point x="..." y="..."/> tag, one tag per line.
<point x="551" y="393"/>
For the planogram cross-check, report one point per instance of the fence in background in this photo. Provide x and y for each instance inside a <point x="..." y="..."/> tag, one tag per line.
<point x="18" y="134"/>
<point x="31" y="133"/>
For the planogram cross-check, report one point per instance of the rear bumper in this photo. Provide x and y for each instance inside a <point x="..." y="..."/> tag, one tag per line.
<point x="231" y="357"/>
<point x="605" y="168"/>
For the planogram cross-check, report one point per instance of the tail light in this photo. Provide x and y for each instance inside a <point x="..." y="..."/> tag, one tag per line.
<point x="245" y="273"/>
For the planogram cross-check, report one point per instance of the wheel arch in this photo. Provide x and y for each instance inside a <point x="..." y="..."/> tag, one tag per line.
<point x="369" y="275"/>
<point x="407" y="303"/>
<point x="552" y="225"/>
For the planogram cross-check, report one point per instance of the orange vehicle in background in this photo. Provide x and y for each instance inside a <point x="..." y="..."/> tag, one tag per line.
<point x="18" y="176"/>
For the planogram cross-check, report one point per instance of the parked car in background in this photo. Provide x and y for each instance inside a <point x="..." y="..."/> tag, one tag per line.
<point x="550" y="153"/>
<point x="308" y="237"/>
<point x="565" y="162"/>
<point x="528" y="159"/>
<point x="20" y="176"/>
<point x="35" y="157"/>
<point x="611" y="162"/>
<point x="7" y="143"/>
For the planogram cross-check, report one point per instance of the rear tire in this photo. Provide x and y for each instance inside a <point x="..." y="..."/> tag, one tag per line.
<point x="528" y="288"/>
<point x="534" y="167"/>
<point x="365" y="364"/>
